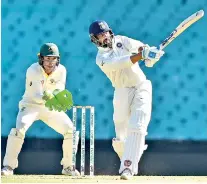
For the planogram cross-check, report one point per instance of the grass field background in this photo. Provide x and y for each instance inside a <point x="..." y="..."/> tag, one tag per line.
<point x="103" y="179"/>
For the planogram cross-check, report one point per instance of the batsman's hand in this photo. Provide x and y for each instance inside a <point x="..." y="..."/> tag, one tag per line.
<point x="151" y="55"/>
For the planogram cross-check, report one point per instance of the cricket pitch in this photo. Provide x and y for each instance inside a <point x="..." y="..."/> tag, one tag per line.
<point x="103" y="179"/>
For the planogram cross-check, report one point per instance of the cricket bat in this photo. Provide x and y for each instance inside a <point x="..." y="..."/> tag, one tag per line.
<point x="181" y="27"/>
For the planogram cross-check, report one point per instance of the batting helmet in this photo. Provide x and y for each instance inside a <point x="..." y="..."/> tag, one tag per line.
<point x="98" y="27"/>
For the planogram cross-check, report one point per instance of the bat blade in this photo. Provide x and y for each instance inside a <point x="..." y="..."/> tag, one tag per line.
<point x="181" y="27"/>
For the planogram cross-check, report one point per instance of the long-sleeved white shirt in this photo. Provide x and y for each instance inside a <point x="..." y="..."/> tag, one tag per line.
<point x="37" y="81"/>
<point x="116" y="63"/>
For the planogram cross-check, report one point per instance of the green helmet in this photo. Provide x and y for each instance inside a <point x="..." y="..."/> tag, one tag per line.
<point x="48" y="49"/>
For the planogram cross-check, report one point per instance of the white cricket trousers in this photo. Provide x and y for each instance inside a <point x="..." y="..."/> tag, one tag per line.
<point x="58" y="121"/>
<point x="132" y="113"/>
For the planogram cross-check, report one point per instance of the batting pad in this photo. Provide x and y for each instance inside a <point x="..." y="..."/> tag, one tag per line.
<point x="118" y="146"/>
<point x="14" y="145"/>
<point x="67" y="149"/>
<point x="133" y="150"/>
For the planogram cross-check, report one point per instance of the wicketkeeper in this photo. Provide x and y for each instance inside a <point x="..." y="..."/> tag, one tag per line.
<point x="43" y="100"/>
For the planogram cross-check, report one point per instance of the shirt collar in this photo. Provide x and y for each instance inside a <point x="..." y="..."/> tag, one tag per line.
<point x="44" y="73"/>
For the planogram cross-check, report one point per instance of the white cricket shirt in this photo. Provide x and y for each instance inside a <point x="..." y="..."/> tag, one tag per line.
<point x="37" y="81"/>
<point x="116" y="63"/>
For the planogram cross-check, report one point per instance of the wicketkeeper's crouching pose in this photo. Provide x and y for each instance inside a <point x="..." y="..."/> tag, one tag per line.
<point x="40" y="103"/>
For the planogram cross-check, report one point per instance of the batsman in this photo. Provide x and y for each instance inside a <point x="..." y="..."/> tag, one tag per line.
<point x="117" y="57"/>
<point x="45" y="99"/>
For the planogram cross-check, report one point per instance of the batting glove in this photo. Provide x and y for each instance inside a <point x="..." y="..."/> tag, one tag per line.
<point x="151" y="55"/>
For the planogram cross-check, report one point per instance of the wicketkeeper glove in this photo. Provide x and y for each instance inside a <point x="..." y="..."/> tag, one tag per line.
<point x="65" y="98"/>
<point x="53" y="104"/>
<point x="59" y="100"/>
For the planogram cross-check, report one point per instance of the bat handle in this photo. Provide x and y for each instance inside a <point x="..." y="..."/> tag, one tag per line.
<point x="160" y="47"/>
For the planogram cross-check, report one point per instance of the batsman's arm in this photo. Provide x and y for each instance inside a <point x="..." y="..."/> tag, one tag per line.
<point x="113" y="63"/>
<point x="140" y="51"/>
<point x="132" y="45"/>
<point x="148" y="54"/>
<point x="119" y="62"/>
<point x="136" y="57"/>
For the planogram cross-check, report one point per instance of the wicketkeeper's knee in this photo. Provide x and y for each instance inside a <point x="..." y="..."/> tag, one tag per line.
<point x="20" y="133"/>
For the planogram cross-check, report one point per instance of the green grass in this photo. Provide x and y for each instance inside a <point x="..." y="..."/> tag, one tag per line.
<point x="102" y="179"/>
